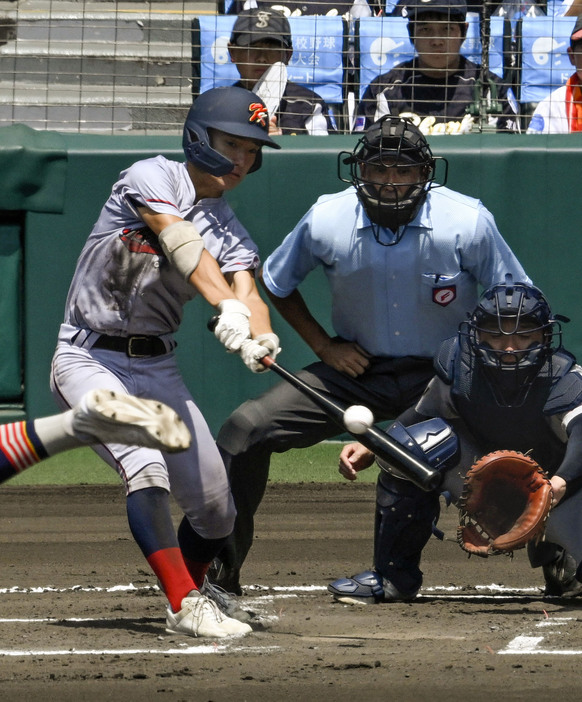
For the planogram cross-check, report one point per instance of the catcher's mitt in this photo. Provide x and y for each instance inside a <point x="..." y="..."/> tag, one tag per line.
<point x="505" y="502"/>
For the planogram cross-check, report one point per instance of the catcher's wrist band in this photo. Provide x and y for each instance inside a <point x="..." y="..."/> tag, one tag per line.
<point x="183" y="246"/>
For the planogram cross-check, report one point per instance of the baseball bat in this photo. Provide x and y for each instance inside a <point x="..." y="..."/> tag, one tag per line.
<point x="374" y="438"/>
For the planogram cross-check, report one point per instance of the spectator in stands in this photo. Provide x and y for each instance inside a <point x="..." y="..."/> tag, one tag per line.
<point x="561" y="111"/>
<point x="354" y="8"/>
<point x="259" y="39"/>
<point x="438" y="90"/>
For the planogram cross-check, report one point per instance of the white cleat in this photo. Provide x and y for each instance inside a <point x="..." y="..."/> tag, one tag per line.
<point x="106" y="416"/>
<point x="200" y="616"/>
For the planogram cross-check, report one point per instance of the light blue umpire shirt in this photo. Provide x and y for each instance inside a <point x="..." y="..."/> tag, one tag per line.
<point x="400" y="300"/>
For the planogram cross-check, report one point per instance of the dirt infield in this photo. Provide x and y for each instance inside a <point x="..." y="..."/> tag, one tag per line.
<point x="81" y="618"/>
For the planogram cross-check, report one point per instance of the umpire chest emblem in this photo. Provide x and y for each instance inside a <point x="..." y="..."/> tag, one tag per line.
<point x="444" y="296"/>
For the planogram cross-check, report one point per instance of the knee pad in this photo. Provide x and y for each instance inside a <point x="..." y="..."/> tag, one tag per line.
<point x="432" y="441"/>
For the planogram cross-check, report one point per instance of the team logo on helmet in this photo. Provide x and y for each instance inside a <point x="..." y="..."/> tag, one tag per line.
<point x="259" y="113"/>
<point x="444" y="296"/>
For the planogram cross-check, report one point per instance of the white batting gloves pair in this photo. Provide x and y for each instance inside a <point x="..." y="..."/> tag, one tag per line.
<point x="232" y="329"/>
<point x="252" y="350"/>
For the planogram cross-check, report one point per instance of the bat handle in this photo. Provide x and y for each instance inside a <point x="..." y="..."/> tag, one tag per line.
<point x="267" y="361"/>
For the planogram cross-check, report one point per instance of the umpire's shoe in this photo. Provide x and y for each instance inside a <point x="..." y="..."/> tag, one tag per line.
<point x="106" y="416"/>
<point x="226" y="578"/>
<point x="367" y="588"/>
<point x="226" y="602"/>
<point x="199" y="616"/>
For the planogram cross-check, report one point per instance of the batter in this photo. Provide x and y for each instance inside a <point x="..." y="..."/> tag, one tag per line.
<point x="164" y="235"/>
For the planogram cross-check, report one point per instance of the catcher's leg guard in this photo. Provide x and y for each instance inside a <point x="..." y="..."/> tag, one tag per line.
<point x="405" y="515"/>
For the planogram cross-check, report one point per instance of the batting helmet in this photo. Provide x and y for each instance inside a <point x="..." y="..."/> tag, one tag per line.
<point x="391" y="142"/>
<point x="232" y="110"/>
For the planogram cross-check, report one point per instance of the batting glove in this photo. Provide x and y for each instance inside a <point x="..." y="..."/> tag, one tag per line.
<point x="252" y="350"/>
<point x="232" y="327"/>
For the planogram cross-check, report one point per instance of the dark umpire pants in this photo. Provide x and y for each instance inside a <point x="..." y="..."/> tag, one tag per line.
<point x="283" y="418"/>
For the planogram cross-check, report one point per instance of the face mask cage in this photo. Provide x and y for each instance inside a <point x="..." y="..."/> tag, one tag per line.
<point x="386" y="202"/>
<point x="515" y="311"/>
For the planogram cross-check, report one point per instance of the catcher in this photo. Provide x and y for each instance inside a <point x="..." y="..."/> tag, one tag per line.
<point x="504" y="382"/>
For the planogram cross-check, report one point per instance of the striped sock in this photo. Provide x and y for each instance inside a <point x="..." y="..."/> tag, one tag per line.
<point x="20" y="448"/>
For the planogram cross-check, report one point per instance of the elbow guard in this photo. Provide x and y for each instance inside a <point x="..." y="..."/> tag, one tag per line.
<point x="183" y="246"/>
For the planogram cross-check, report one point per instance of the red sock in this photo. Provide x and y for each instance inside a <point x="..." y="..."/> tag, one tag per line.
<point x="176" y="581"/>
<point x="197" y="571"/>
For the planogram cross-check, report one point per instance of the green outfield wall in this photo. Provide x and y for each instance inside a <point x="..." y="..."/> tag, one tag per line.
<point x="54" y="184"/>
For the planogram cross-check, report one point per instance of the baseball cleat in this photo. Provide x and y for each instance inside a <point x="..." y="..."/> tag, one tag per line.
<point x="106" y="416"/>
<point x="225" y="601"/>
<point x="200" y="616"/>
<point x="367" y="588"/>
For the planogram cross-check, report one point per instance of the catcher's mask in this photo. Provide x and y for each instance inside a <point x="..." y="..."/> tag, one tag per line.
<point x="232" y="110"/>
<point x="378" y="170"/>
<point x="519" y="311"/>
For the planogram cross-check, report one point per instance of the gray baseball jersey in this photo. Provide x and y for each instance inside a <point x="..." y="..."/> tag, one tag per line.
<point x="123" y="283"/>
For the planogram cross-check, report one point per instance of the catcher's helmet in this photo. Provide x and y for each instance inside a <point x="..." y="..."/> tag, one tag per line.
<point x="510" y="309"/>
<point x="391" y="141"/>
<point x="232" y="110"/>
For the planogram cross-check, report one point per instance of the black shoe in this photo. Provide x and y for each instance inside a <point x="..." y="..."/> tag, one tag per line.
<point x="226" y="578"/>
<point x="560" y="576"/>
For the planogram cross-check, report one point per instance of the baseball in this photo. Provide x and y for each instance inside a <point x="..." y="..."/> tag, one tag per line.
<point x="357" y="419"/>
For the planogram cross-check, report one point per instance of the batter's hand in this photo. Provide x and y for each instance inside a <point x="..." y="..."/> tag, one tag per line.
<point x="252" y="350"/>
<point x="232" y="326"/>
<point x="346" y="357"/>
<point x="353" y="459"/>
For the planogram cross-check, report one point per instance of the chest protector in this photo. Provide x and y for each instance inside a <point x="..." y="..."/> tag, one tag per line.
<point x="522" y="428"/>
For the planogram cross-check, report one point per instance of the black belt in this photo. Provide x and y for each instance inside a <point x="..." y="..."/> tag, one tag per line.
<point x="133" y="346"/>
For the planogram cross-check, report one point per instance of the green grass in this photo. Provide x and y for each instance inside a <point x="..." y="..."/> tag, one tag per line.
<point x="82" y="466"/>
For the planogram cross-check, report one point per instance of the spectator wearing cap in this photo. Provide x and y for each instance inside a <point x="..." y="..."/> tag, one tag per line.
<point x="259" y="39"/>
<point x="436" y="89"/>
<point x="561" y="111"/>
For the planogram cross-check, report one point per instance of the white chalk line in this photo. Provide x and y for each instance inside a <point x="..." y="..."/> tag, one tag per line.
<point x="530" y="644"/>
<point x="523" y="644"/>
<point x="204" y="649"/>
<point x="280" y="590"/>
